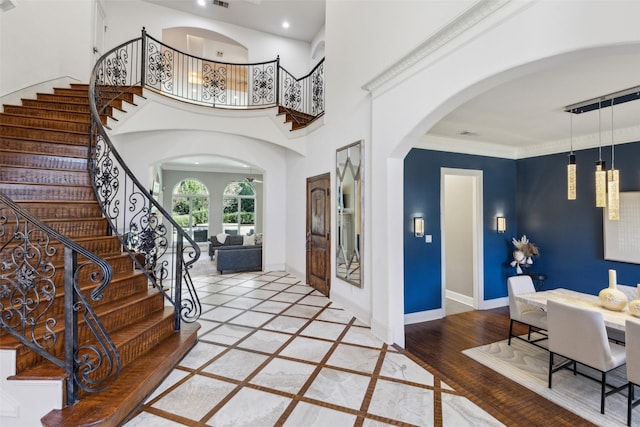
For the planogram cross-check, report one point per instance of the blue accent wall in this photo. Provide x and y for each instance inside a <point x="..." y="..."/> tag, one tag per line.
<point x="531" y="193"/>
<point x="570" y="232"/>
<point x="422" y="261"/>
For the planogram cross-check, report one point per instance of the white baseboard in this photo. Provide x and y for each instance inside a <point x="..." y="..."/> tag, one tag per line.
<point x="15" y="98"/>
<point x="461" y="298"/>
<point x="494" y="303"/>
<point x="348" y="306"/>
<point x="276" y="267"/>
<point x="423" y="316"/>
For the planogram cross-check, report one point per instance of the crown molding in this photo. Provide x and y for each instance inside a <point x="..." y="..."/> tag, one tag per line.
<point x="585" y="142"/>
<point x="450" y="32"/>
<point x="482" y="148"/>
<point x="463" y="146"/>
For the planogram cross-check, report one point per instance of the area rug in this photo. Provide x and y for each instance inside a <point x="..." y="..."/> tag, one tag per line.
<point x="527" y="365"/>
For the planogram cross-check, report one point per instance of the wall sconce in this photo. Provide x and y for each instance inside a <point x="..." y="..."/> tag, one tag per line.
<point x="501" y="224"/>
<point x="418" y="226"/>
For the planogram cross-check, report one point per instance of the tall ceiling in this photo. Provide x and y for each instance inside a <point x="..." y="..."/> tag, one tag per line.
<point x="305" y="17"/>
<point x="524" y="112"/>
<point x="529" y="110"/>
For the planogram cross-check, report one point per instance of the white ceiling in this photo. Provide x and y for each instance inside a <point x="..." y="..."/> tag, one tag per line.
<point x="305" y="17"/>
<point x="529" y="110"/>
<point x="526" y="111"/>
<point x="205" y="163"/>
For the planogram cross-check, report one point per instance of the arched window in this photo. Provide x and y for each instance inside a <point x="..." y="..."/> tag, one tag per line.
<point x="239" y="212"/>
<point x="190" y="208"/>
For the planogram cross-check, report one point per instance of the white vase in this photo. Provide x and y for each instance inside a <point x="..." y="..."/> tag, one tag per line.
<point x="634" y="306"/>
<point x="612" y="298"/>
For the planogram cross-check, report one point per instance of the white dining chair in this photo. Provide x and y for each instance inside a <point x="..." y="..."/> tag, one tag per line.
<point x="522" y="313"/>
<point x="579" y="335"/>
<point x="632" y="330"/>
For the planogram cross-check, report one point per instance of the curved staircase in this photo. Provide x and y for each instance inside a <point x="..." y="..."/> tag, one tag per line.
<point x="43" y="168"/>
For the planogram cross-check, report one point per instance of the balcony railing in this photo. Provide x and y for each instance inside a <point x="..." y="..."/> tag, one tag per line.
<point x="224" y="85"/>
<point x="156" y="243"/>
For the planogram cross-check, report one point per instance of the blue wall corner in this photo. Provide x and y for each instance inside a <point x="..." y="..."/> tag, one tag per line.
<point x="531" y="193"/>
<point x="422" y="261"/>
<point x="570" y="232"/>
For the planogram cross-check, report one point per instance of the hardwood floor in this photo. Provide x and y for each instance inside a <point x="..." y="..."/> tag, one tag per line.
<point x="439" y="344"/>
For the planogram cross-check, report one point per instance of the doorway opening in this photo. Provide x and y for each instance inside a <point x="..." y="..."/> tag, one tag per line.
<point x="462" y="254"/>
<point x="190" y="208"/>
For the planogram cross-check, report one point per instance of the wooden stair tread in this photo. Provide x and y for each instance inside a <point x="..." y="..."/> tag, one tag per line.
<point x="19" y="145"/>
<point x="42" y="168"/>
<point x="44" y="371"/>
<point x="43" y="129"/>
<point x="112" y="307"/>
<point x="51" y="134"/>
<point x="55" y="201"/>
<point x="8" y="342"/>
<point x="30" y="117"/>
<point x="136" y="382"/>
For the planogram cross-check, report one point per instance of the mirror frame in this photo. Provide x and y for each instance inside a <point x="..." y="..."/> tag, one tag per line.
<point x="350" y="273"/>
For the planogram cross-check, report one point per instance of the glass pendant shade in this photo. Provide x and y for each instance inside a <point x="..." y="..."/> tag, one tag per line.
<point x="601" y="185"/>
<point x="613" y="191"/>
<point x="571" y="177"/>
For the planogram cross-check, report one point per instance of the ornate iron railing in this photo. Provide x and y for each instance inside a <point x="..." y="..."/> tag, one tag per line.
<point x="156" y="243"/>
<point x="224" y="85"/>
<point x="305" y="94"/>
<point x="29" y="311"/>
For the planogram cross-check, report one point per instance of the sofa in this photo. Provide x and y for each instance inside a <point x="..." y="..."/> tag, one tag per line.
<point x="234" y="255"/>
<point x="214" y="243"/>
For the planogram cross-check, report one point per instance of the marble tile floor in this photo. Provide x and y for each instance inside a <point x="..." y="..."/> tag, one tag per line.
<point x="272" y="351"/>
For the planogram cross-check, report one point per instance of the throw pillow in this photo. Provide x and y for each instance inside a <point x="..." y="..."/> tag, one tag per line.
<point x="221" y="238"/>
<point x="258" y="239"/>
<point x="249" y="240"/>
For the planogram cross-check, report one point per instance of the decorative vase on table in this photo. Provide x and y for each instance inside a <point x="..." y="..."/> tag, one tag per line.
<point x="611" y="297"/>
<point x="634" y="306"/>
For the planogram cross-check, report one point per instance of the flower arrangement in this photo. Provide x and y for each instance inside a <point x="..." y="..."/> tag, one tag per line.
<point x="524" y="253"/>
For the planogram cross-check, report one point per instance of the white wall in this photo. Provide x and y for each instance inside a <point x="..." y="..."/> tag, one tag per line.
<point x="362" y="38"/>
<point x="452" y="70"/>
<point x="33" y="53"/>
<point x="394" y="68"/>
<point x="126" y="19"/>
<point x="142" y="150"/>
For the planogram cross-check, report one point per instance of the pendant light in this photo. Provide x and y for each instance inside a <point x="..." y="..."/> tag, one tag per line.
<point x="601" y="174"/>
<point x="571" y="167"/>
<point x="613" y="181"/>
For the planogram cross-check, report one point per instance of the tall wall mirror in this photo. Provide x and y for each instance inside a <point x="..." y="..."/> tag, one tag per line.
<point x="349" y="164"/>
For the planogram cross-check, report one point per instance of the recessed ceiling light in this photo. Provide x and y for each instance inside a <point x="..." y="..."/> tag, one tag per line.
<point x="197" y="163"/>
<point x="285" y="24"/>
<point x="202" y="2"/>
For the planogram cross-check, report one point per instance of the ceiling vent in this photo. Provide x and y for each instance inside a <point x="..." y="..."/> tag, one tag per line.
<point x="469" y="133"/>
<point x="221" y="3"/>
<point x="6" y="5"/>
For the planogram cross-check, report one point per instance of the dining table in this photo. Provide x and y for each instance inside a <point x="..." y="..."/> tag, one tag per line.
<point x="612" y="319"/>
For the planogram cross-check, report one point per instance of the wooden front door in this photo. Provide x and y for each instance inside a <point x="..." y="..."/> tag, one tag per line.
<point x="319" y="233"/>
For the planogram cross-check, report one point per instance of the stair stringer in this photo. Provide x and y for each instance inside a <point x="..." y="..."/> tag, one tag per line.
<point x="24" y="402"/>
